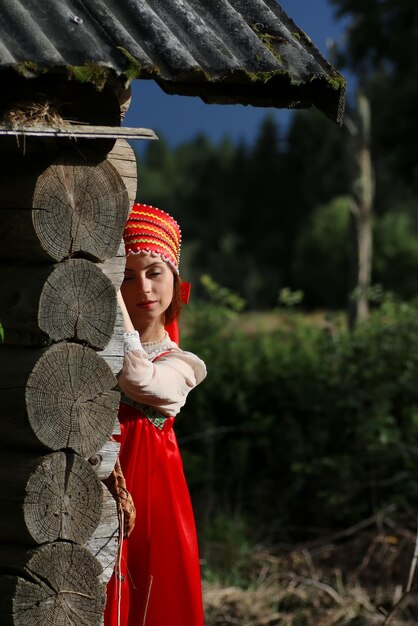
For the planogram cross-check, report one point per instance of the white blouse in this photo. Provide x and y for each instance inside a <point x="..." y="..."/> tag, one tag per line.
<point x="163" y="383"/>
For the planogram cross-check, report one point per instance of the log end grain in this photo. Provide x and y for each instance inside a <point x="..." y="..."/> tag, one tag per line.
<point x="80" y="210"/>
<point x="71" y="399"/>
<point x="78" y="302"/>
<point x="61" y="586"/>
<point x="63" y="499"/>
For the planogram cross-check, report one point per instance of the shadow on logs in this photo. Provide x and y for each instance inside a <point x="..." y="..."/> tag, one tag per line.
<point x="62" y="397"/>
<point x="104" y="542"/>
<point x="69" y="390"/>
<point x="53" y="100"/>
<point x="57" y="583"/>
<point x="72" y="300"/>
<point x="82" y="209"/>
<point x="49" y="498"/>
<point x="70" y="208"/>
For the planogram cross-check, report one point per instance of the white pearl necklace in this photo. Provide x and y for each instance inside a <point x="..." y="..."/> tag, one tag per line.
<point x="154" y="348"/>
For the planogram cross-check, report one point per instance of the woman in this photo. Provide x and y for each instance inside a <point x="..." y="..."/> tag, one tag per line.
<point x="158" y="581"/>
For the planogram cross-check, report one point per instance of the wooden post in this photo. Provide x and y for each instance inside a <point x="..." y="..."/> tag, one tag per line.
<point x="61" y="262"/>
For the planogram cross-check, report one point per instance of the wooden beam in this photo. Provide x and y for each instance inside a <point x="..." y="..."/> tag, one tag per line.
<point x="75" y="131"/>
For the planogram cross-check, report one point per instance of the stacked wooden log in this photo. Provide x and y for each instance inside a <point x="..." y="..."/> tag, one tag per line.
<point x="61" y="262"/>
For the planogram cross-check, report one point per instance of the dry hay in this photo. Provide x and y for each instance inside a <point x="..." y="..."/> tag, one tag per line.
<point x="232" y="605"/>
<point x="291" y="600"/>
<point x="359" y="580"/>
<point x="34" y="114"/>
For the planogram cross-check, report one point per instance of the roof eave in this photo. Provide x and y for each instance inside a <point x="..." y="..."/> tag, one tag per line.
<point x="277" y="91"/>
<point x="262" y="89"/>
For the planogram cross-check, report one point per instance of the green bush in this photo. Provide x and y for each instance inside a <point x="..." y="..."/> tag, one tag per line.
<point x="305" y="426"/>
<point x="395" y="263"/>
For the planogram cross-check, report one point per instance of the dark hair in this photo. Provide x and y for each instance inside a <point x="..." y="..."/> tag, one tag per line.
<point x="174" y="308"/>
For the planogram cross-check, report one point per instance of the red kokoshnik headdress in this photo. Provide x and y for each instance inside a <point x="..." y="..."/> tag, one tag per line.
<point x="149" y="230"/>
<point x="152" y="231"/>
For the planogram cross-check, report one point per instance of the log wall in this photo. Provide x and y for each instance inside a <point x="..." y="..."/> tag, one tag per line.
<point x="61" y="262"/>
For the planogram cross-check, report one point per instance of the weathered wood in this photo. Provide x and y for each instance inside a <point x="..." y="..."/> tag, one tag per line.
<point x="8" y="586"/>
<point x="39" y="143"/>
<point x="124" y="95"/>
<point x="14" y="475"/>
<point x="84" y="209"/>
<point x="78" y="302"/>
<point x="70" y="401"/>
<point x="122" y="157"/>
<point x="19" y="304"/>
<point x="72" y="300"/>
<point x="15" y="169"/>
<point x="15" y="367"/>
<point x="63" y="499"/>
<point x="57" y="584"/>
<point x="79" y="209"/>
<point x="104" y="543"/>
<point x="53" y="95"/>
<point x="113" y="352"/>
<point x="53" y="100"/>
<point x="57" y="496"/>
<point x="19" y="241"/>
<point x="114" y="267"/>
<point x="21" y="245"/>
<point x="77" y="131"/>
<point x="104" y="460"/>
<point x="62" y="397"/>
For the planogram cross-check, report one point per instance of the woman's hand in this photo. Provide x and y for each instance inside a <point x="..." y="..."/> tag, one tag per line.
<point x="127" y="323"/>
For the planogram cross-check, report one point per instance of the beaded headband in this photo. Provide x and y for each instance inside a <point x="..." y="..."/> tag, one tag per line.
<point x="149" y="230"/>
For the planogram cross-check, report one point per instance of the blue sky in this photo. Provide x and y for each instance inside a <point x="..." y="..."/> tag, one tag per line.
<point x="179" y="118"/>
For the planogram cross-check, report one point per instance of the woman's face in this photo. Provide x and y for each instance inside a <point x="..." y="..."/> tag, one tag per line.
<point x="147" y="289"/>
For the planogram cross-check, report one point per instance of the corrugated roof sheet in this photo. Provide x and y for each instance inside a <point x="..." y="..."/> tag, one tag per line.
<point x="246" y="51"/>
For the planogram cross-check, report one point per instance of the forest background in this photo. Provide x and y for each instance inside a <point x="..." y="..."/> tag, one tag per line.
<point x="304" y="427"/>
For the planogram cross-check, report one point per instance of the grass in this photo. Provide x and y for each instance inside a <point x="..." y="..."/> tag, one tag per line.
<point x="269" y="321"/>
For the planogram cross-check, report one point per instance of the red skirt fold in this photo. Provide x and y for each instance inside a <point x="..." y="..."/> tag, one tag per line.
<point x="160" y="562"/>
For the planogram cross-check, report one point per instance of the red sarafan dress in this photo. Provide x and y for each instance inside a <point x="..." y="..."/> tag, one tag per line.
<point x="159" y="580"/>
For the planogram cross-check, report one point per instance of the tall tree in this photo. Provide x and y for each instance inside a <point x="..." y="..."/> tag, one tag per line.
<point x="362" y="192"/>
<point x="381" y="45"/>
